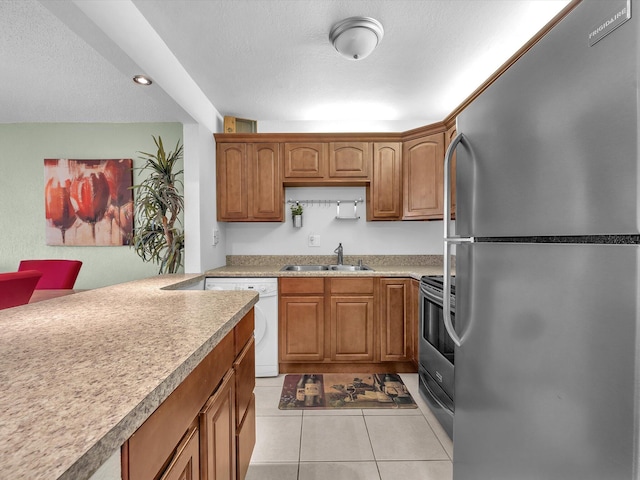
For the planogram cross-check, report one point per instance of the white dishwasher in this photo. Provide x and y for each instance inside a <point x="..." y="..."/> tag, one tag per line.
<point x="266" y="317"/>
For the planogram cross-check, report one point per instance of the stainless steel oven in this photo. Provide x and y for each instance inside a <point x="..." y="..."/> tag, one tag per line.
<point x="436" y="352"/>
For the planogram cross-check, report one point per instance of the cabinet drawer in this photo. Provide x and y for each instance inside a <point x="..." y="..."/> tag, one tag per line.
<point x="356" y="286"/>
<point x="293" y="286"/>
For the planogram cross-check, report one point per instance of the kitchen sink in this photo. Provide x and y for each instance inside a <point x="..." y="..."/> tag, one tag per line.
<point x="319" y="268"/>
<point x="349" y="268"/>
<point x="304" y="268"/>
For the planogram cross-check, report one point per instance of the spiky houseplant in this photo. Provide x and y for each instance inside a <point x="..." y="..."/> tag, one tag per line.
<point x="158" y="202"/>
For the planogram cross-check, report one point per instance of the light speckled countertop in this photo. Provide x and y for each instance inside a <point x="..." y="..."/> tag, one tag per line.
<point x="414" y="266"/>
<point x="81" y="373"/>
<point x="246" y="271"/>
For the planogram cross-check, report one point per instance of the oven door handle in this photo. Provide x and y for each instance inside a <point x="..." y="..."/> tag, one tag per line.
<point x="431" y="297"/>
<point x="449" y="240"/>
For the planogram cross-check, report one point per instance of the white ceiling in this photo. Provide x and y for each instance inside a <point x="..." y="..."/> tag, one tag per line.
<point x="269" y="60"/>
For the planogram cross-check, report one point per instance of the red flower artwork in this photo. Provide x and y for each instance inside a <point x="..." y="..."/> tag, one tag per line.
<point x="88" y="202"/>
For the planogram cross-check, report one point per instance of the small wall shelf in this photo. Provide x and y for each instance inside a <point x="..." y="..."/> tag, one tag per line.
<point x="345" y="209"/>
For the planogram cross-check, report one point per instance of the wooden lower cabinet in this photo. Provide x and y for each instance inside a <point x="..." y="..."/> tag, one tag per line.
<point x="351" y="319"/>
<point x="301" y="325"/>
<point x="396" y="322"/>
<point x="195" y="433"/>
<point x="245" y="428"/>
<point x="218" y="433"/>
<point x="331" y="323"/>
<point x="351" y="324"/>
<point x="186" y="463"/>
<point x="246" y="439"/>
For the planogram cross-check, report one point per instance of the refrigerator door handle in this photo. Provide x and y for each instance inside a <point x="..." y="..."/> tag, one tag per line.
<point x="449" y="240"/>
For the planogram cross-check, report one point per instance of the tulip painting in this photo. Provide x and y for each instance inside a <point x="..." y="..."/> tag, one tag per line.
<point x="88" y="202"/>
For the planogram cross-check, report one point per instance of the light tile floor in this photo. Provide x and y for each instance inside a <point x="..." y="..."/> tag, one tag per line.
<point x="378" y="444"/>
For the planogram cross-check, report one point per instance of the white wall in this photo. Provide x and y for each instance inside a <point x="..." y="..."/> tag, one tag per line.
<point x="358" y="237"/>
<point x="22" y="210"/>
<point x="200" y="201"/>
<point x="323" y="126"/>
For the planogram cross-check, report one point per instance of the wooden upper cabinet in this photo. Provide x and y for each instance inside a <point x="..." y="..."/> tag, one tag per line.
<point x="232" y="173"/>
<point x="449" y="136"/>
<point x="249" y="182"/>
<point x="327" y="162"/>
<point x="422" y="172"/>
<point x="266" y="196"/>
<point x="349" y="159"/>
<point x="384" y="195"/>
<point x="305" y="160"/>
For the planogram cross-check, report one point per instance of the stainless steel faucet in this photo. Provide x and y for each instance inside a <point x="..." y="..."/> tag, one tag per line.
<point x="339" y="252"/>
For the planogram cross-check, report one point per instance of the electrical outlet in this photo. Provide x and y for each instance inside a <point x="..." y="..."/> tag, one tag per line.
<point x="314" y="240"/>
<point x="216" y="237"/>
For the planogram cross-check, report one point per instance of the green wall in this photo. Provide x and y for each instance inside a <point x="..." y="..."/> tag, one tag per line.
<point x="23" y="147"/>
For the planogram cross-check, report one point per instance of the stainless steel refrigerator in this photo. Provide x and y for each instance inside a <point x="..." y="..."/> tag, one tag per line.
<point x="547" y="380"/>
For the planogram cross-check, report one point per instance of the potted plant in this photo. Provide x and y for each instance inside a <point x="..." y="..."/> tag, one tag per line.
<point x="158" y="203"/>
<point x="296" y="214"/>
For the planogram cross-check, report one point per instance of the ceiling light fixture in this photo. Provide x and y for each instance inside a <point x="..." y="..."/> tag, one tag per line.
<point x="356" y="37"/>
<point x="142" y="80"/>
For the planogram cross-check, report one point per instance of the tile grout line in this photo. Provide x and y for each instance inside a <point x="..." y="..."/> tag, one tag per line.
<point x="300" y="447"/>
<point x="364" y="417"/>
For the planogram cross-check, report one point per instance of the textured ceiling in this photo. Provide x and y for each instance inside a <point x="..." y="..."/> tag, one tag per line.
<point x="49" y="74"/>
<point x="268" y="60"/>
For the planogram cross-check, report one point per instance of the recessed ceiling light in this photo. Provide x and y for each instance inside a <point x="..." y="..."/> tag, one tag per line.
<point x="142" y="80"/>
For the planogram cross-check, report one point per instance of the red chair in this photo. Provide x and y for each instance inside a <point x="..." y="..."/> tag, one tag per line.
<point x="16" y="288"/>
<point x="56" y="274"/>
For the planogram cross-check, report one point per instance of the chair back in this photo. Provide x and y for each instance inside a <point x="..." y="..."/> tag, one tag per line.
<point x="16" y="287"/>
<point x="56" y="274"/>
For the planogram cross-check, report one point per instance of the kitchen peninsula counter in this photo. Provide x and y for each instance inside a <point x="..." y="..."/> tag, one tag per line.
<point x="82" y="372"/>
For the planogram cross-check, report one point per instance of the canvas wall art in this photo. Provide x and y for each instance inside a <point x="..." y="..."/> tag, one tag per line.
<point x="88" y="202"/>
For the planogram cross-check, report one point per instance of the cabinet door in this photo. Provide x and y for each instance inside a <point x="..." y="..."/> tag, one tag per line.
<point x="384" y="198"/>
<point x="232" y="181"/>
<point x="395" y="320"/>
<point x="349" y="160"/>
<point x="301" y="329"/>
<point x="218" y="433"/>
<point x="422" y="171"/>
<point x="351" y="328"/>
<point x="186" y="463"/>
<point x="305" y="160"/>
<point x="245" y="368"/>
<point x="266" y="194"/>
<point x="415" y="319"/>
<point x="449" y="136"/>
<point x="246" y="439"/>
